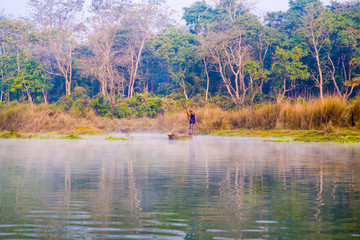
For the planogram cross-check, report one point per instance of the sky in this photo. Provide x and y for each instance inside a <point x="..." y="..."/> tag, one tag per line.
<point x="17" y="8"/>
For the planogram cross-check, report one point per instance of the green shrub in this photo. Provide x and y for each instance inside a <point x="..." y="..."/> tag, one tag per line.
<point x="153" y="107"/>
<point x="65" y="103"/>
<point x="81" y="105"/>
<point x="102" y="106"/>
<point x="122" y="110"/>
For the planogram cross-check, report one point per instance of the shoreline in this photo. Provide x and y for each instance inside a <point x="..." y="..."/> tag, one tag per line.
<point x="346" y="135"/>
<point x="280" y="135"/>
<point x="336" y="121"/>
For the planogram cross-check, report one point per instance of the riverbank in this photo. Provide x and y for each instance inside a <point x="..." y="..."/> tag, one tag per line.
<point x="335" y="135"/>
<point x="333" y="121"/>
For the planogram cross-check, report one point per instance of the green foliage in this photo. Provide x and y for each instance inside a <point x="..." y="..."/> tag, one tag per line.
<point x="153" y="107"/>
<point x="122" y="110"/>
<point x="145" y="105"/>
<point x="276" y="58"/>
<point x="81" y="102"/>
<point x="102" y="106"/>
<point x="117" y="138"/>
<point x="177" y="49"/>
<point x="11" y="134"/>
<point x="65" y="103"/>
<point x="139" y="105"/>
<point x="71" y="136"/>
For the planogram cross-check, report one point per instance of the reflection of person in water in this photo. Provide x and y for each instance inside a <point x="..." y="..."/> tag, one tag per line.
<point x="191" y="122"/>
<point x="192" y="152"/>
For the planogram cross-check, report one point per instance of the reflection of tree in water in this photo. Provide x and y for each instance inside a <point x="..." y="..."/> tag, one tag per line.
<point x="134" y="200"/>
<point x="67" y="189"/>
<point x="300" y="187"/>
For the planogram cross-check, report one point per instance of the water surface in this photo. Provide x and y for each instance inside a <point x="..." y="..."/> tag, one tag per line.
<point x="153" y="188"/>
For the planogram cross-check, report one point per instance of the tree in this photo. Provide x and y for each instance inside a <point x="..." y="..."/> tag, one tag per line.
<point x="199" y="16"/>
<point x="288" y="67"/>
<point x="120" y="32"/>
<point x="33" y="81"/>
<point x="229" y="51"/>
<point x="55" y="19"/>
<point x="316" y="28"/>
<point x="142" y="20"/>
<point x="177" y="49"/>
<point x="54" y="14"/>
<point x="343" y="49"/>
<point x="257" y="76"/>
<point x="16" y="41"/>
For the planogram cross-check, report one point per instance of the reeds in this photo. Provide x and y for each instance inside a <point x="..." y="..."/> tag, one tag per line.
<point x="304" y="115"/>
<point x="298" y="115"/>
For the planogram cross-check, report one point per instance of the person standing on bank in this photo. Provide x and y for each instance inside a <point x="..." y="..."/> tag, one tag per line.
<point x="191" y="122"/>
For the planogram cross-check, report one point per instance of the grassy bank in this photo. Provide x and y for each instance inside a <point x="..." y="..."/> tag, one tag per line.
<point x="335" y="120"/>
<point x="337" y="136"/>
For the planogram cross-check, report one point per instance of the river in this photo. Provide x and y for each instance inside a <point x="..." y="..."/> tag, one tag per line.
<point x="153" y="188"/>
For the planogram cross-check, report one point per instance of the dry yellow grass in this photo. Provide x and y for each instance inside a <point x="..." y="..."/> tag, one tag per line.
<point x="312" y="114"/>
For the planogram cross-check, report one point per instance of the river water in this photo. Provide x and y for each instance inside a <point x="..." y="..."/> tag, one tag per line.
<point x="153" y="188"/>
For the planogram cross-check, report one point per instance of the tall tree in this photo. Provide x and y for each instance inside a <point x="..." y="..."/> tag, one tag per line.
<point x="343" y="49"/>
<point x="143" y="21"/>
<point x="316" y="28"/>
<point x="16" y="42"/>
<point x="288" y="67"/>
<point x="32" y="80"/>
<point x="54" y="14"/>
<point x="56" y="21"/>
<point x="177" y="49"/>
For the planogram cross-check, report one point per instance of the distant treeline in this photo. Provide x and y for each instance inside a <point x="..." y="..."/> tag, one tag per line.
<point x="122" y="49"/>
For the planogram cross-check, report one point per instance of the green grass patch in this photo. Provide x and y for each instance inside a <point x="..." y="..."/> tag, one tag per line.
<point x="117" y="138"/>
<point x="336" y="136"/>
<point x="16" y="135"/>
<point x="13" y="134"/>
<point x="70" y="136"/>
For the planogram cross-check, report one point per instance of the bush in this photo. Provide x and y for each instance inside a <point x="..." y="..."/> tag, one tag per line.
<point x="102" y="106"/>
<point x="81" y="105"/>
<point x="153" y="107"/>
<point x="122" y="110"/>
<point x="65" y="103"/>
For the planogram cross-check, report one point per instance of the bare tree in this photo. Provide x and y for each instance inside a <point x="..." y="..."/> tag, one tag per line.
<point x="50" y="14"/>
<point x="316" y="28"/>
<point x="55" y="19"/>
<point x="120" y="31"/>
<point x="229" y="52"/>
<point x="143" y="20"/>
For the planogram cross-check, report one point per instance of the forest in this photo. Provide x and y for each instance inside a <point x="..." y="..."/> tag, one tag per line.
<point x="124" y="59"/>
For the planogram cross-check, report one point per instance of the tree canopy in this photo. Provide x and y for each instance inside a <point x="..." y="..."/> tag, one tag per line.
<point x="124" y="48"/>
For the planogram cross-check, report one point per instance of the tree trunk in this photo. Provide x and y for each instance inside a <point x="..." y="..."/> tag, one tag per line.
<point x="317" y="57"/>
<point x="28" y="94"/>
<point x="332" y="70"/>
<point x="182" y="84"/>
<point x="132" y="79"/>
<point x="228" y="87"/>
<point x="45" y="96"/>
<point x="70" y="71"/>
<point x="207" y="80"/>
<point x="282" y="92"/>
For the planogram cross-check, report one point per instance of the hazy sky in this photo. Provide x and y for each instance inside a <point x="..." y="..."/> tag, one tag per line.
<point x="18" y="7"/>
